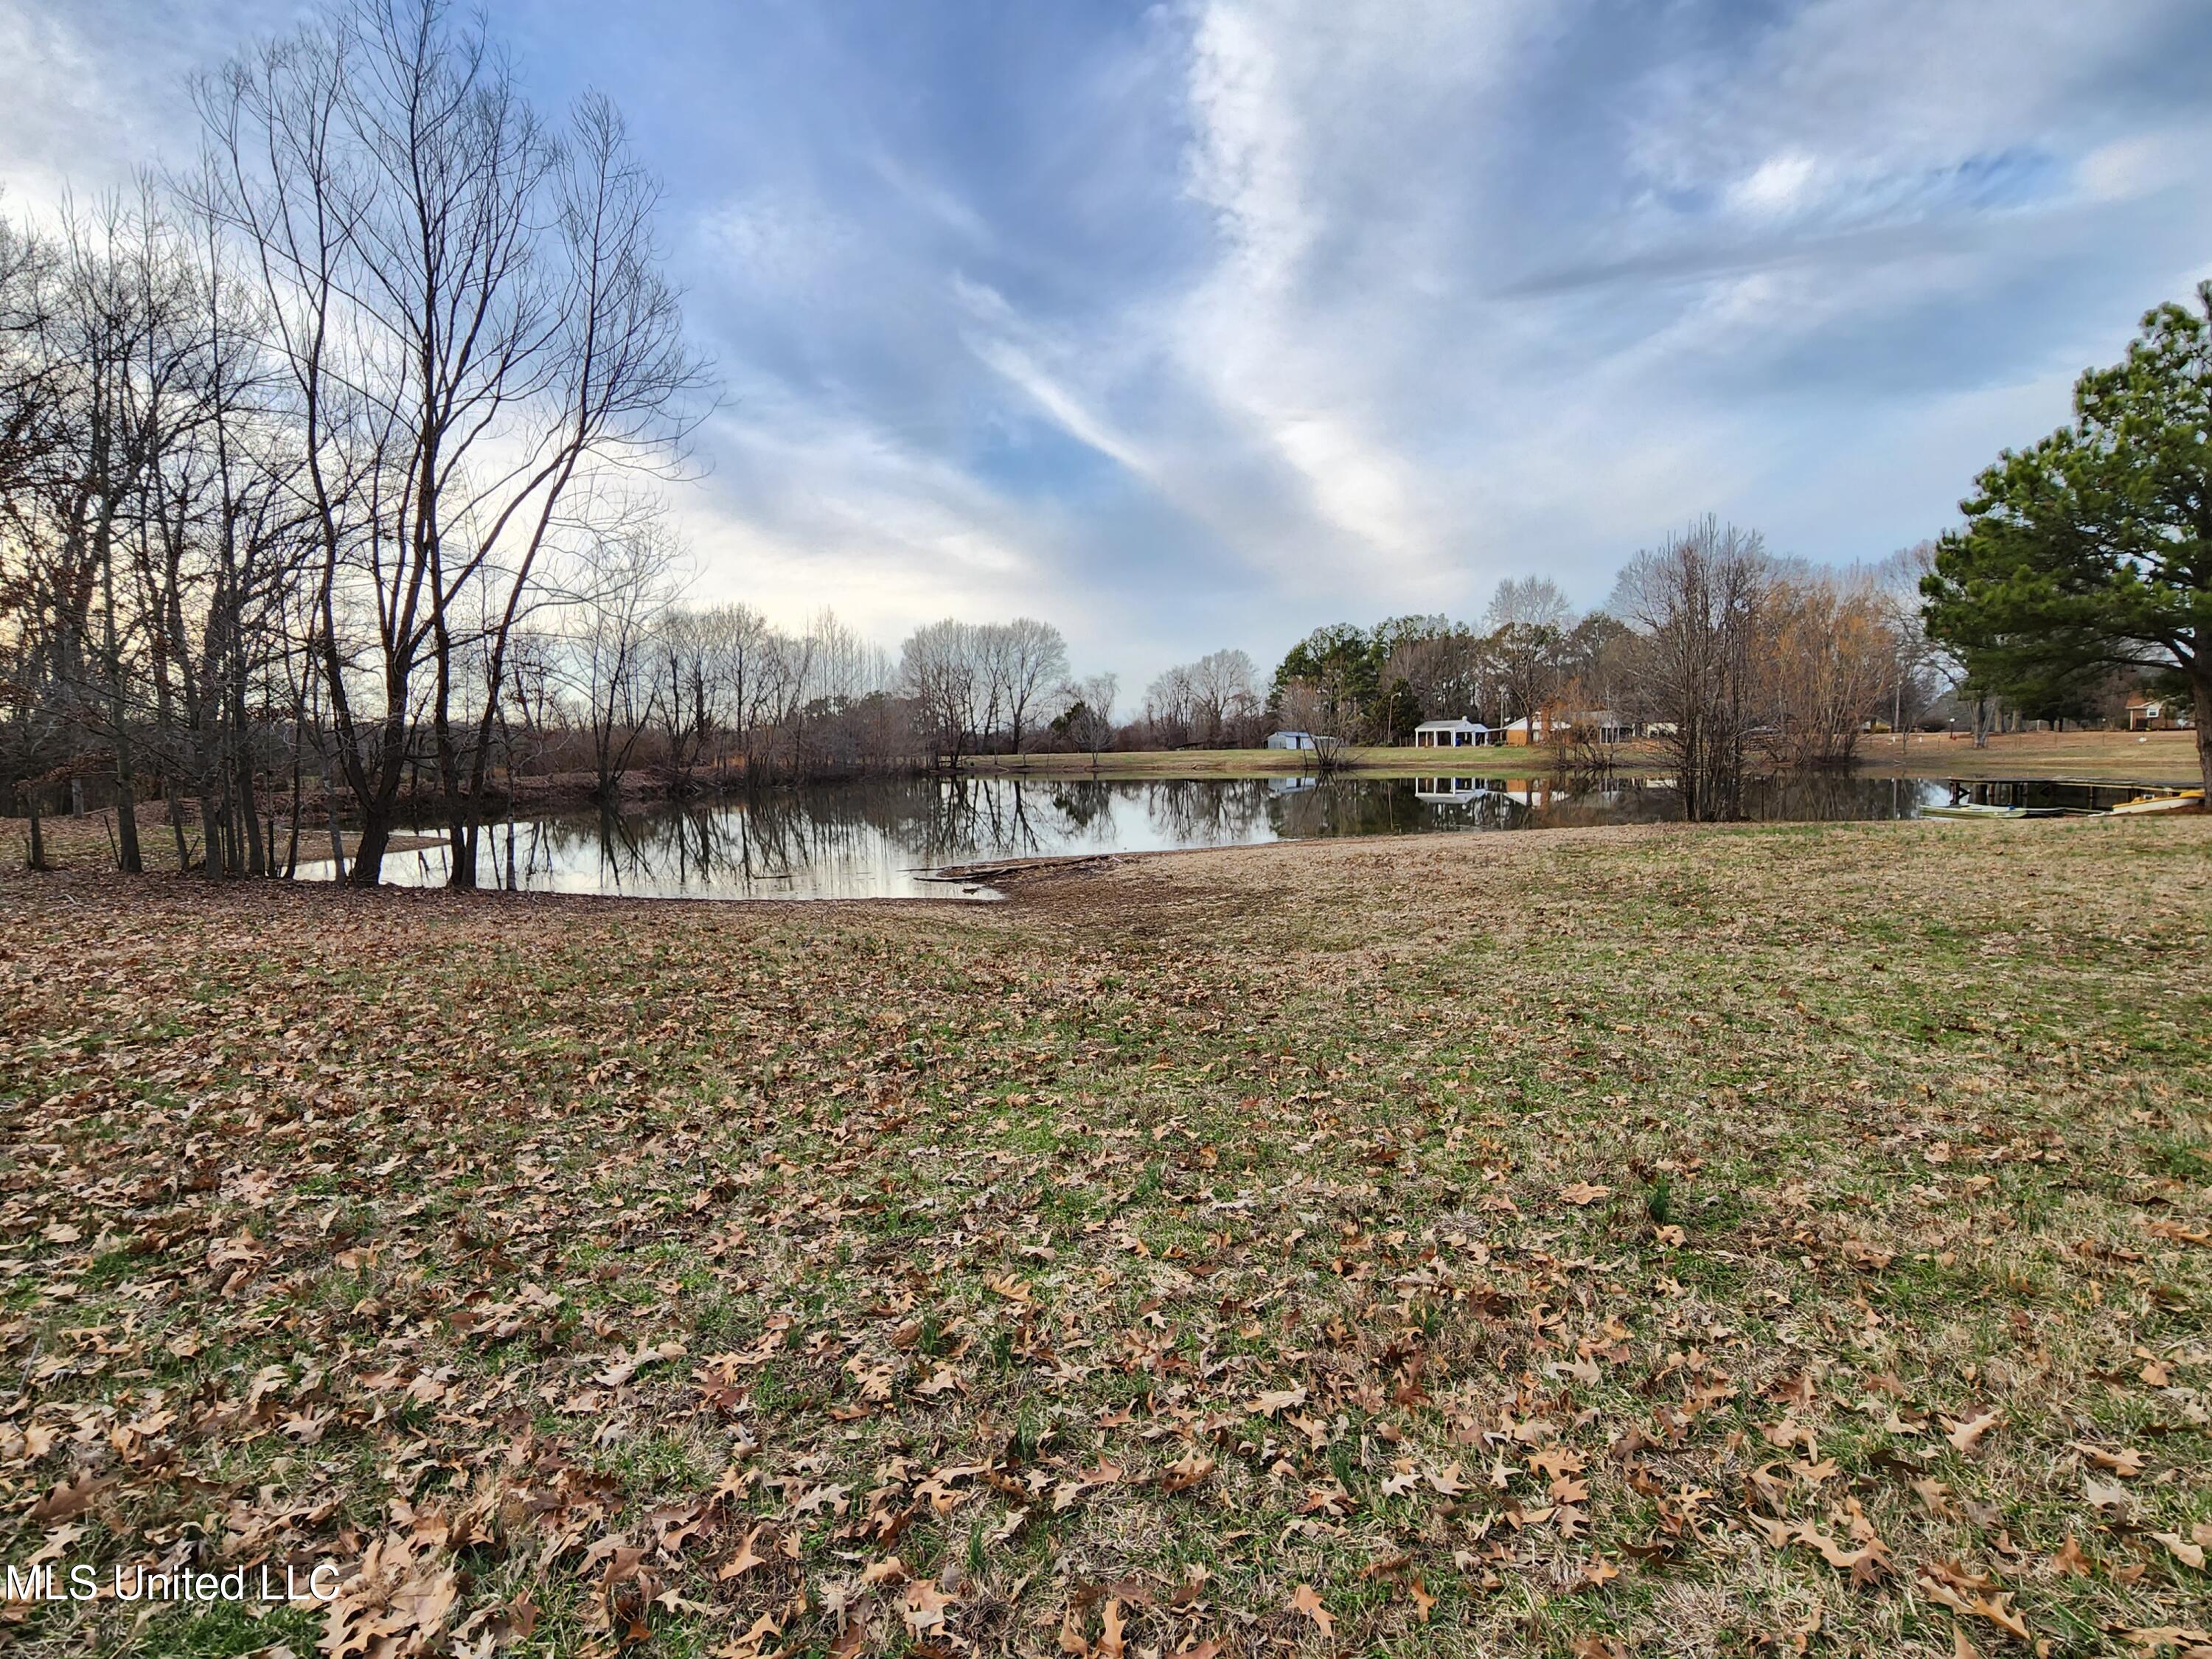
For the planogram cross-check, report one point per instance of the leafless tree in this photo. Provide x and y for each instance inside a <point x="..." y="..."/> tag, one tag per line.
<point x="1698" y="604"/>
<point x="1169" y="708"/>
<point x="1090" y="702"/>
<point x="621" y="589"/>
<point x="1921" y="668"/>
<point x="29" y="433"/>
<point x="1828" y="654"/>
<point x="1225" y="702"/>
<point x="477" y="332"/>
<point x="1528" y="621"/>
<point x="123" y="347"/>
<point x="1307" y="707"/>
<point x="938" y="669"/>
<point x="1032" y="662"/>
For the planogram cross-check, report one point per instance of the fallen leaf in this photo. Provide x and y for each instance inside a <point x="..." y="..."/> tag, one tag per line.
<point x="2127" y="1464"/>
<point x="925" y="1606"/>
<point x="2189" y="1555"/>
<point x="1306" y="1600"/>
<point x="1965" y="1437"/>
<point x="70" y="1497"/>
<point x="2103" y="1494"/>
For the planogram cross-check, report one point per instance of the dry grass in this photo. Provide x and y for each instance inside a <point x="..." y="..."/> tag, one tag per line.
<point x="2167" y="758"/>
<point x="2111" y="757"/>
<point x="1637" y="1240"/>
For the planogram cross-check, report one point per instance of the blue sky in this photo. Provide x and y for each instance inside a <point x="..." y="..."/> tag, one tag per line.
<point x="1200" y="324"/>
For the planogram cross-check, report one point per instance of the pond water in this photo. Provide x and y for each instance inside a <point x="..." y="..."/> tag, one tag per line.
<point x="881" y="839"/>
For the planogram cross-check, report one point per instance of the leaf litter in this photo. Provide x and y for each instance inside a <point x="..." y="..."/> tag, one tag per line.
<point x="1604" y="1242"/>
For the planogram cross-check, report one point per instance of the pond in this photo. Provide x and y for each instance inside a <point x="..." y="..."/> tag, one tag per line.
<point x="881" y="839"/>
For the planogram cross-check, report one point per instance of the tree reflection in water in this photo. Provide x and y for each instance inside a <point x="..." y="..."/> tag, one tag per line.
<point x="877" y="839"/>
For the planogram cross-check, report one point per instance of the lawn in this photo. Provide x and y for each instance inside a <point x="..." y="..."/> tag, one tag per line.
<point x="1793" y="1238"/>
<point x="2167" y="758"/>
<point x="2095" y="757"/>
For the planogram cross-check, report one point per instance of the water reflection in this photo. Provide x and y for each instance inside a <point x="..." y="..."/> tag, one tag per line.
<point x="878" y="839"/>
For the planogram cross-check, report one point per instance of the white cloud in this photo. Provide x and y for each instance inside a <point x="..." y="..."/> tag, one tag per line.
<point x="1777" y="185"/>
<point x="2141" y="164"/>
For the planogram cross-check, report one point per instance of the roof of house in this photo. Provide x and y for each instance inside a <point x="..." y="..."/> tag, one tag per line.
<point x="1451" y="725"/>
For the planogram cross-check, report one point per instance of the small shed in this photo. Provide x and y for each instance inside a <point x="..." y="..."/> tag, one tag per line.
<point x="1450" y="734"/>
<point x="1290" y="739"/>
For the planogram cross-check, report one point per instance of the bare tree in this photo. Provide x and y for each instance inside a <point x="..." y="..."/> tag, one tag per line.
<point x="1225" y="702"/>
<point x="620" y="590"/>
<point x="1829" y="655"/>
<point x="29" y="433"/>
<point x="1091" y="704"/>
<point x="27" y="373"/>
<point x="1308" y="707"/>
<point x="1529" y="620"/>
<point x="472" y="307"/>
<point x="1920" y="666"/>
<point x="124" y="346"/>
<point x="1169" y="706"/>
<point x="938" y="669"/>
<point x="1697" y="605"/>
<point x="1033" y="660"/>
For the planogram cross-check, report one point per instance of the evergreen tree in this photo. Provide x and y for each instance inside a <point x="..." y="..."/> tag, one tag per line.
<point x="2093" y="549"/>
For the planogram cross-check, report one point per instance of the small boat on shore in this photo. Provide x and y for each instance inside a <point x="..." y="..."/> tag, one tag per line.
<point x="2182" y="801"/>
<point x="1974" y="810"/>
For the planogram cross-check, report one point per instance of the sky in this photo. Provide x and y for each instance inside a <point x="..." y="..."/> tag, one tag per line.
<point x="1204" y="323"/>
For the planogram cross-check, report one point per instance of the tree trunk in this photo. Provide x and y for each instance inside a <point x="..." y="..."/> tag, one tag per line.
<point x="213" y="858"/>
<point x="380" y="805"/>
<point x="292" y="839"/>
<point x="368" y="849"/>
<point x="249" y="817"/>
<point x="127" y="857"/>
<point x="36" y="857"/>
<point x="2200" y="683"/>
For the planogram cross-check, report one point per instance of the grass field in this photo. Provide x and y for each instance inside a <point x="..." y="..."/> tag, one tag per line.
<point x="1783" y="1239"/>
<point x="2112" y="756"/>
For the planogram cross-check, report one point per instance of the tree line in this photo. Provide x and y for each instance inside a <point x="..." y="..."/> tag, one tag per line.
<point x="1733" y="660"/>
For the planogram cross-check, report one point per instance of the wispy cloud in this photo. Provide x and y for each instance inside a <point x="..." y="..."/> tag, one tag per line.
<point x="1205" y="322"/>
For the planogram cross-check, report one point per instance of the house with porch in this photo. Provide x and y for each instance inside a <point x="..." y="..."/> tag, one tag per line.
<point x="1450" y="734"/>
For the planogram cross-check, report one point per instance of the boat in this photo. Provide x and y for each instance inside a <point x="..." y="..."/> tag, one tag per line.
<point x="2181" y="800"/>
<point x="1972" y="810"/>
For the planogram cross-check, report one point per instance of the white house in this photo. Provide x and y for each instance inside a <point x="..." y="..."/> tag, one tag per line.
<point x="1290" y="740"/>
<point x="1450" y="734"/>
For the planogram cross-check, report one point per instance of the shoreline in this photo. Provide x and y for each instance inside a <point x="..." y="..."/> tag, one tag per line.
<point x="2156" y="760"/>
